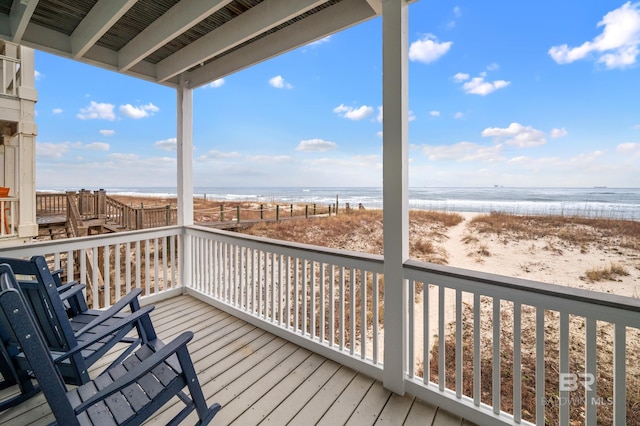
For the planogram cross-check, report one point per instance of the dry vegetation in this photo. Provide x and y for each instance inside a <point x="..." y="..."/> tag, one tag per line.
<point x="361" y="230"/>
<point x="572" y="231"/>
<point x="604" y="379"/>
<point x="610" y="272"/>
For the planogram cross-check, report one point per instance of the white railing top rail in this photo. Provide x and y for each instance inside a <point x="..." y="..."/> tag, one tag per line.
<point x="9" y="59"/>
<point x="370" y="262"/>
<point x="575" y="301"/>
<point x="89" y="242"/>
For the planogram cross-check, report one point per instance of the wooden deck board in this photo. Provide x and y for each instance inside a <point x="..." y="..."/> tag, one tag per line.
<point x="347" y="402"/>
<point x="286" y="410"/>
<point x="261" y="379"/>
<point x="371" y="406"/>
<point x="395" y="411"/>
<point x="278" y="393"/>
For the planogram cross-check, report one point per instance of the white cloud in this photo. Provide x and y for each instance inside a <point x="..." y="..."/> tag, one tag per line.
<point x="517" y="135"/>
<point x="457" y="12"/>
<point x="107" y="132"/>
<point x="51" y="150"/>
<point x="355" y="114"/>
<point x="434" y="113"/>
<point x="217" y="155"/>
<point x="464" y="151"/>
<point x="323" y="40"/>
<point x="559" y="133"/>
<point x="166" y="144"/>
<point x="141" y="111"/>
<point x="279" y="83"/>
<point x="458" y="115"/>
<point x="460" y="77"/>
<point x="125" y="157"/>
<point x="428" y="49"/>
<point x="479" y="86"/>
<point x="615" y="47"/>
<point x="215" y="83"/>
<point x="38" y="75"/>
<point x="316" y="145"/>
<point x="629" y="147"/>
<point x="493" y="67"/>
<point x="97" y="111"/>
<point x="97" y="146"/>
<point x="57" y="111"/>
<point x="271" y="158"/>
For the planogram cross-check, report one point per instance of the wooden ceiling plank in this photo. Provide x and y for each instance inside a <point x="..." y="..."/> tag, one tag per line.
<point x="174" y="22"/>
<point x="255" y="21"/>
<point x="98" y="21"/>
<point x="21" y="12"/>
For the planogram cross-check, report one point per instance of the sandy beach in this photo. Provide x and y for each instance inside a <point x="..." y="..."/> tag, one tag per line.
<point x="597" y="254"/>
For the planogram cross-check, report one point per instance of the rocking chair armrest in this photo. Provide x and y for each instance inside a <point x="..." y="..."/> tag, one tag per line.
<point x="139" y="370"/>
<point x="133" y="317"/>
<point x="128" y="299"/>
<point x="67" y="286"/>
<point x="72" y="291"/>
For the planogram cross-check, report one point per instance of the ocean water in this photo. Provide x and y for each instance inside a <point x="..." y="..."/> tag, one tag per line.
<point x="619" y="203"/>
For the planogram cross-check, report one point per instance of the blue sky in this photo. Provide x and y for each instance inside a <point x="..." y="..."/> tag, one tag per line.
<point x="521" y="93"/>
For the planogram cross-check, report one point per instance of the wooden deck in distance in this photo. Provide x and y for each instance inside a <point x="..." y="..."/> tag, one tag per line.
<point x="259" y="378"/>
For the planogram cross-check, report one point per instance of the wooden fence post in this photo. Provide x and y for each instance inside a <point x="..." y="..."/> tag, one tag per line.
<point x="168" y="215"/>
<point x="291" y="208"/>
<point x="306" y="211"/>
<point x="277" y="213"/>
<point x="314" y="209"/>
<point x="261" y="211"/>
<point x="221" y="213"/>
<point x="237" y="214"/>
<point x="101" y="203"/>
<point x="140" y="218"/>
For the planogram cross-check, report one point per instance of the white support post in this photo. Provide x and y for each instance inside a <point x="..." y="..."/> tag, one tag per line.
<point x="27" y="131"/>
<point x="185" y="175"/>
<point x="395" y="187"/>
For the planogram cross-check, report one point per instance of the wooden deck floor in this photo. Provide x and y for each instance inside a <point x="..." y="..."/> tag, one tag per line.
<point x="259" y="378"/>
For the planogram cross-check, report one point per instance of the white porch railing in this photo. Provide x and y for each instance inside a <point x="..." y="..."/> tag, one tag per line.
<point x="491" y="349"/>
<point x="325" y="300"/>
<point x="8" y="216"/>
<point x="112" y="265"/>
<point x="9" y="76"/>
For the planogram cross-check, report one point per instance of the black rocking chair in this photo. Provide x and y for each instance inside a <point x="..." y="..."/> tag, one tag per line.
<point x="62" y="334"/>
<point x="125" y="394"/>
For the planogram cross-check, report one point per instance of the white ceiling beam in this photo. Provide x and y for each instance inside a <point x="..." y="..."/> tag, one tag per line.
<point x="47" y="40"/>
<point x="21" y="12"/>
<point x="251" y="23"/>
<point x="336" y="18"/>
<point x="51" y="41"/>
<point x="102" y="16"/>
<point x="376" y="5"/>
<point x="174" y="22"/>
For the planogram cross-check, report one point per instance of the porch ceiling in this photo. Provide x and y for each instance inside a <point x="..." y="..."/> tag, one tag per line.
<point x="158" y="40"/>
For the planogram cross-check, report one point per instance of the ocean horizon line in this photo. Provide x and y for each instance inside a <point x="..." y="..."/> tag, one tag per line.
<point x="620" y="203"/>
